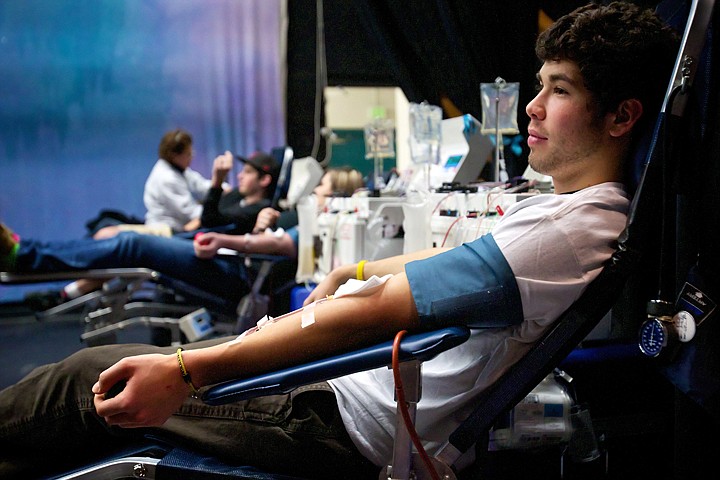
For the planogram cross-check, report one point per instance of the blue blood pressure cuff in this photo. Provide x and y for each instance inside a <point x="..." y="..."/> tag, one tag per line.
<point x="469" y="285"/>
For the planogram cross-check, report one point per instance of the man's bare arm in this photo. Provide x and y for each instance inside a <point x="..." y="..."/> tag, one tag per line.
<point x="385" y="266"/>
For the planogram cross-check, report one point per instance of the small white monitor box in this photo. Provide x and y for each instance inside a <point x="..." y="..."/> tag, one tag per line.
<point x="197" y="325"/>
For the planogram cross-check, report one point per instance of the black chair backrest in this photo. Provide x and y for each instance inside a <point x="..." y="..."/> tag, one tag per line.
<point x="285" y="156"/>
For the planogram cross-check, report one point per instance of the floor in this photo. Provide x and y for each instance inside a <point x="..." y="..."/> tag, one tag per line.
<point x="26" y="343"/>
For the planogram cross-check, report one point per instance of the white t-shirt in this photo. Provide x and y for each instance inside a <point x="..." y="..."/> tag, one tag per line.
<point x="556" y="245"/>
<point x="173" y="197"/>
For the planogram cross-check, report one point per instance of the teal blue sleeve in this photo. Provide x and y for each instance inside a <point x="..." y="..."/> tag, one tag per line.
<point x="469" y="285"/>
<point x="293" y="232"/>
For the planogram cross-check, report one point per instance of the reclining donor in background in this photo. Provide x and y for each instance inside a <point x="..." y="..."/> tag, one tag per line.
<point x="194" y="262"/>
<point x="512" y="285"/>
<point x="167" y="190"/>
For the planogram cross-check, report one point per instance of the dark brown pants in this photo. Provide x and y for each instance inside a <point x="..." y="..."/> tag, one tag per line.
<point x="48" y="419"/>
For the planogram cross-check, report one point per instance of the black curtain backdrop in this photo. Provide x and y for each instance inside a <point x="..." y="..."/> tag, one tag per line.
<point x="438" y="51"/>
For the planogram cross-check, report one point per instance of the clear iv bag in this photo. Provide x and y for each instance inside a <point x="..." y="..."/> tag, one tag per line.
<point x="379" y="144"/>
<point x="379" y="139"/>
<point x="499" y="107"/>
<point x="425" y="133"/>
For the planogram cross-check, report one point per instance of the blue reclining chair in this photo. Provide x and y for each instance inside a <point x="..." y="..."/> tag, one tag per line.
<point x="158" y="460"/>
<point x="570" y="329"/>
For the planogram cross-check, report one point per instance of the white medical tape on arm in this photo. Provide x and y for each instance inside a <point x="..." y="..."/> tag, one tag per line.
<point x="308" y="315"/>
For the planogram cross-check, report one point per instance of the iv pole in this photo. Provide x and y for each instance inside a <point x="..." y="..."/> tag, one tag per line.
<point x="499" y="147"/>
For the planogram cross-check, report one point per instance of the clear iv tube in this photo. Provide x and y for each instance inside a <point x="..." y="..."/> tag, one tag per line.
<point x="379" y="181"/>
<point x="499" y="147"/>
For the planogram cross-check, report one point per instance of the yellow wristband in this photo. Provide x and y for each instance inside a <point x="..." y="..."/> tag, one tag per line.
<point x="184" y="373"/>
<point x="360" y="273"/>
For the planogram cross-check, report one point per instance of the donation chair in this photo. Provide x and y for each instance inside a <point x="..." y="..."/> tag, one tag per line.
<point x="116" y="303"/>
<point x="133" y="297"/>
<point x="555" y="345"/>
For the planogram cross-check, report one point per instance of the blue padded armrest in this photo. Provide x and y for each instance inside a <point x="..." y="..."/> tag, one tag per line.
<point x="421" y="346"/>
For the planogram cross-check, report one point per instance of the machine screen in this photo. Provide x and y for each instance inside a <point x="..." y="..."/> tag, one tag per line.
<point x="453" y="161"/>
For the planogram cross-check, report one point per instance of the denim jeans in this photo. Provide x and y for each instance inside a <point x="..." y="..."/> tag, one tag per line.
<point x="47" y="420"/>
<point x="175" y="257"/>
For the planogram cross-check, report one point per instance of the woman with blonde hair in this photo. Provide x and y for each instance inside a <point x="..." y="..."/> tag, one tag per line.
<point x="337" y="181"/>
<point x="341" y="181"/>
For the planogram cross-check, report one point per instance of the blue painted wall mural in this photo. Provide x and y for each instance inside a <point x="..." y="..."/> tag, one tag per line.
<point x="88" y="88"/>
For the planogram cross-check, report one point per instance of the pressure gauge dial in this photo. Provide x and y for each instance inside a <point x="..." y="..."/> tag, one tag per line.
<point x="654" y="336"/>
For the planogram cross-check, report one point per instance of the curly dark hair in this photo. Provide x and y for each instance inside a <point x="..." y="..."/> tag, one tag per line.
<point x="623" y="51"/>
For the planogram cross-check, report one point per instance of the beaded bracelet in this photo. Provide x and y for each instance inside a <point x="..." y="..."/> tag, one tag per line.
<point x="185" y="375"/>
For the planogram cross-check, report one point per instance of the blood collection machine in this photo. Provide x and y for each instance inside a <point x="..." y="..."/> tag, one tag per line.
<point x="355" y="228"/>
<point x="464" y="151"/>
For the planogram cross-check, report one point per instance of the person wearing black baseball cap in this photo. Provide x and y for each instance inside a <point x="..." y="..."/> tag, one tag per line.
<point x="265" y="164"/>
<point x="239" y="207"/>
